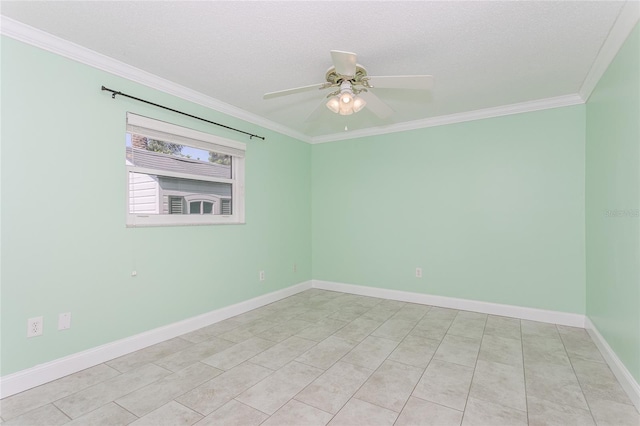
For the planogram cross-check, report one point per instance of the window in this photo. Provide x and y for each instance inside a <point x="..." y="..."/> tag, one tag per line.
<point x="180" y="176"/>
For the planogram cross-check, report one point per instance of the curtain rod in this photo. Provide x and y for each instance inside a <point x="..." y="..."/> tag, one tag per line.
<point x="115" y="92"/>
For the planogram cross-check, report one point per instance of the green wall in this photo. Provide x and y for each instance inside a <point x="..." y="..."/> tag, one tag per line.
<point x="612" y="203"/>
<point x="492" y="210"/>
<point x="65" y="244"/>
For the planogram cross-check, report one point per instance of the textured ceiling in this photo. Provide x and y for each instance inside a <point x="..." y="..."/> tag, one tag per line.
<point x="481" y="54"/>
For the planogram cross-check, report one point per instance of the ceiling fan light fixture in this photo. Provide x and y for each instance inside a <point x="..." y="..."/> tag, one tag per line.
<point x="358" y="104"/>
<point x="346" y="97"/>
<point x="334" y="104"/>
<point x="346" y="109"/>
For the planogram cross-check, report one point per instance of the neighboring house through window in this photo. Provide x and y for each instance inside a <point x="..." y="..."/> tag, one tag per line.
<point x="180" y="176"/>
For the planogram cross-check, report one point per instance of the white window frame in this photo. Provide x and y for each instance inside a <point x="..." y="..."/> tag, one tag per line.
<point x="167" y="132"/>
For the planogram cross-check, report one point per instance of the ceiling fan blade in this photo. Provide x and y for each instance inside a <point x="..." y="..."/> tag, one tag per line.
<point x="375" y="105"/>
<point x="279" y="93"/>
<point x="345" y="62"/>
<point x="414" y="82"/>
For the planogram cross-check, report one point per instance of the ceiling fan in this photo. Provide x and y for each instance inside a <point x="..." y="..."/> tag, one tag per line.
<point x="353" y="87"/>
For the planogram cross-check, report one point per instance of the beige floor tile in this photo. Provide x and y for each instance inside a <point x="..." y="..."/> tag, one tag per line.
<point x="415" y="350"/>
<point x="357" y="412"/>
<point x="18" y="404"/>
<point x="418" y="412"/>
<point x="458" y="350"/>
<point x="555" y="383"/>
<point x="547" y="413"/>
<point x="614" y="413"/>
<point x="348" y="313"/>
<point x="468" y="324"/>
<point x="234" y="413"/>
<point x="380" y="312"/>
<point x="321" y="356"/>
<point x="542" y="352"/>
<point x="499" y="383"/>
<point x="206" y="333"/>
<point x="147" y="355"/>
<point x="321" y="330"/>
<point x="89" y="399"/>
<point x="538" y="329"/>
<point x="313" y="315"/>
<point x="284" y="352"/>
<point x="276" y="390"/>
<point x="598" y="382"/>
<point x="170" y="414"/>
<point x="582" y="347"/>
<point x="508" y="328"/>
<point x="433" y="326"/>
<point x="333" y="388"/>
<point x="395" y="329"/>
<point x="390" y="386"/>
<point x="285" y="330"/>
<point x="483" y="413"/>
<point x="295" y="413"/>
<point x="412" y="312"/>
<point x="184" y="358"/>
<point x="371" y="352"/>
<point x="107" y="415"/>
<point x="442" y="313"/>
<point x="217" y="392"/>
<point x="358" y="329"/>
<point x="326" y="353"/>
<point x="501" y="349"/>
<point x="445" y="383"/>
<point x="47" y="415"/>
<point x="248" y="330"/>
<point x="239" y="353"/>
<point x="155" y="395"/>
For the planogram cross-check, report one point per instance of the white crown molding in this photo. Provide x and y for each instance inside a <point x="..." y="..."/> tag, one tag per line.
<point x="26" y="379"/>
<point x="629" y="384"/>
<point x="43" y="40"/>
<point x="480" y="114"/>
<point x="622" y="27"/>
<point x="521" y="312"/>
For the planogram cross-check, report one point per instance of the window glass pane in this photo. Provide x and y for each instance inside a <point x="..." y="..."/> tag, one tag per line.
<point x="159" y="155"/>
<point x="194" y="207"/>
<point x="159" y="195"/>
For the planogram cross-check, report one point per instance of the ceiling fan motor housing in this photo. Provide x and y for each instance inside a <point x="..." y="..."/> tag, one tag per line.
<point x="359" y="79"/>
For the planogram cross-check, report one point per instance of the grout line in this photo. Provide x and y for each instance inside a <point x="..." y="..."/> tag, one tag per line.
<point x="114" y="401"/>
<point x="429" y="363"/>
<point x="250" y="406"/>
<point x="576" y="376"/>
<point x="474" y="369"/>
<point x="524" y="371"/>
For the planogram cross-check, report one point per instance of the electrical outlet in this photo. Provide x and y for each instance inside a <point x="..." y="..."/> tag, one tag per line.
<point x="64" y="321"/>
<point x="295" y="267"/>
<point x="34" y="327"/>
<point x="262" y="278"/>
<point x="418" y="272"/>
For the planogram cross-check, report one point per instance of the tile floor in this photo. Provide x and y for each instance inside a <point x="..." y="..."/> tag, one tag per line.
<point x="323" y="357"/>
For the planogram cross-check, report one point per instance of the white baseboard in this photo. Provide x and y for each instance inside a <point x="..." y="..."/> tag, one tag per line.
<point x="542" y="315"/>
<point x="623" y="375"/>
<point x="26" y="379"/>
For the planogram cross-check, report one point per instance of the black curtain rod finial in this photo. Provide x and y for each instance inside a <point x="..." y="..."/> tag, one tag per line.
<point x="115" y="92"/>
